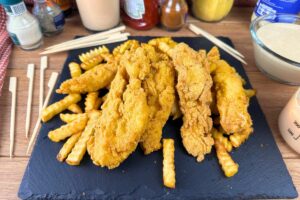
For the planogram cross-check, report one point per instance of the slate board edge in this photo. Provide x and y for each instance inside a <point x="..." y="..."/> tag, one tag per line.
<point x="28" y="194"/>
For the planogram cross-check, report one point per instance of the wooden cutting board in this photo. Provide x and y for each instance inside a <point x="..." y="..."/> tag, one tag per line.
<point x="262" y="172"/>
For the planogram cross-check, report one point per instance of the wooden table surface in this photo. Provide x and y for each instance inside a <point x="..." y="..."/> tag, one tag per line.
<point x="272" y="96"/>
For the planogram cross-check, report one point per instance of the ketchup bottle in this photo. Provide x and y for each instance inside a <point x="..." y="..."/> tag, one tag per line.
<point x="140" y="14"/>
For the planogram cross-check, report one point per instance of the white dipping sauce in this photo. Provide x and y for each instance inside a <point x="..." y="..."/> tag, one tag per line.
<point x="283" y="39"/>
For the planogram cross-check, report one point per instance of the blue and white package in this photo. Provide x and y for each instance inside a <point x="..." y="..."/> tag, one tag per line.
<point x="264" y="7"/>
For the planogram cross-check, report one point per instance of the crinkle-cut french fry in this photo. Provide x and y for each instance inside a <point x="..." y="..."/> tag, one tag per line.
<point x="69" y="129"/>
<point x="90" y="148"/>
<point x="67" y="147"/>
<point x="229" y="167"/>
<point x="217" y="135"/>
<point x="168" y="163"/>
<point x="75" y="69"/>
<point x="237" y="139"/>
<point x="91" y="101"/>
<point x="75" y="108"/>
<point x="80" y="147"/>
<point x="93" y="57"/>
<point x="128" y="45"/>
<point x="59" y="106"/>
<point x="67" y="118"/>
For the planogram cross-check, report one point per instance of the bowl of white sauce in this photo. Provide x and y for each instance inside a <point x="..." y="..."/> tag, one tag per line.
<point x="276" y="42"/>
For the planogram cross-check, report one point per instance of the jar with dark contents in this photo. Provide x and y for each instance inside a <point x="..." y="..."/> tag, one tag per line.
<point x="173" y="14"/>
<point x="140" y="14"/>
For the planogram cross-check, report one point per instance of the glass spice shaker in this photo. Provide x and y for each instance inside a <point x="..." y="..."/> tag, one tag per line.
<point x="173" y="14"/>
<point x="50" y="16"/>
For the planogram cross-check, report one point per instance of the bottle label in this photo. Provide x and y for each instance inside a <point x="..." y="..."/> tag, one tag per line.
<point x="59" y="21"/>
<point x="14" y="38"/>
<point x="134" y="8"/>
<point x="264" y="7"/>
<point x="16" y="9"/>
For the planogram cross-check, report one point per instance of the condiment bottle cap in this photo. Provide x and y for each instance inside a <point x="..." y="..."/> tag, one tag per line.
<point x="10" y="2"/>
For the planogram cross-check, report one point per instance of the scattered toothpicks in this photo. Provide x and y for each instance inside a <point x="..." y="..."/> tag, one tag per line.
<point x="44" y="65"/>
<point x="51" y="84"/>
<point x="13" y="90"/>
<point x="30" y="76"/>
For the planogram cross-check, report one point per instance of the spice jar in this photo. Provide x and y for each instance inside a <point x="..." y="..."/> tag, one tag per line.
<point x="173" y="14"/>
<point x="22" y="27"/>
<point x="211" y="10"/>
<point x="50" y="16"/>
<point x="140" y="14"/>
<point x="99" y="15"/>
<point x="65" y="6"/>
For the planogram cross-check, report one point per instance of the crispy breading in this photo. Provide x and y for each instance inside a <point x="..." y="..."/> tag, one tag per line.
<point x="67" y="147"/>
<point x="125" y="115"/>
<point x="232" y="100"/>
<point x="194" y="89"/>
<point x="59" y="106"/>
<point x="69" y="129"/>
<point x="80" y="147"/>
<point x="93" y="80"/>
<point x="229" y="167"/>
<point x="169" y="163"/>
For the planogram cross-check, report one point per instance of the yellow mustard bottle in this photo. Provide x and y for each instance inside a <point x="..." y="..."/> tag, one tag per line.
<point x="211" y="10"/>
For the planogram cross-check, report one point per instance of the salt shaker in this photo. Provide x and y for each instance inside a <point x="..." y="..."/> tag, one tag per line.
<point x="50" y="16"/>
<point x="22" y="27"/>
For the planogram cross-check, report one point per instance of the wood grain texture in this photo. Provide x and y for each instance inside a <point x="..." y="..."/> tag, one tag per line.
<point x="272" y="96"/>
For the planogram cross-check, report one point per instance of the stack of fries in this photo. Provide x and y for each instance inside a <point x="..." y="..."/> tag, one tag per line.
<point x="96" y="71"/>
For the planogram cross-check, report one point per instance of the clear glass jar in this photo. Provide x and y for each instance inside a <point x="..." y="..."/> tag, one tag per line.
<point x="22" y="27"/>
<point x="50" y="16"/>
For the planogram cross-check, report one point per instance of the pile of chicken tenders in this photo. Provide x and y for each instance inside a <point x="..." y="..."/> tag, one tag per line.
<point x="147" y="83"/>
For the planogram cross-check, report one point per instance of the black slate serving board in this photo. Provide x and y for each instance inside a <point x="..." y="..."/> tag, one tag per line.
<point x="262" y="172"/>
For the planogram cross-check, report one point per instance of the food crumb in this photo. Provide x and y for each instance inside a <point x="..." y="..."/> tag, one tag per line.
<point x="154" y="162"/>
<point x="261" y="145"/>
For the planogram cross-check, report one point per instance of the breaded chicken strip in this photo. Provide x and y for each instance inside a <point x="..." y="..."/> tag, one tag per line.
<point x="194" y="89"/>
<point x="90" y="81"/>
<point x="231" y="98"/>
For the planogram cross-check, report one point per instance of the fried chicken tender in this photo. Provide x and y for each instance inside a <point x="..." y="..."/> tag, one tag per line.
<point x="232" y="100"/>
<point x="125" y="115"/>
<point x="229" y="167"/>
<point x="90" y="81"/>
<point x="194" y="89"/>
<point x="159" y="87"/>
<point x="59" y="106"/>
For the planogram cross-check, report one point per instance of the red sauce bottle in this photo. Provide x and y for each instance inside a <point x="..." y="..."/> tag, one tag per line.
<point x="140" y="14"/>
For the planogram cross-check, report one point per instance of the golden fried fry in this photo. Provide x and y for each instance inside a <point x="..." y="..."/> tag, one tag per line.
<point x="75" y="108"/>
<point x="168" y="163"/>
<point x="237" y="139"/>
<point x="93" y="57"/>
<point x="68" y="146"/>
<point x="91" y="81"/>
<point x="164" y="44"/>
<point x="90" y="145"/>
<point x="69" y="129"/>
<point x="80" y="147"/>
<point x="217" y="135"/>
<point x="176" y="112"/>
<point x="229" y="167"/>
<point x="67" y="118"/>
<point x="91" y="101"/>
<point x="75" y="69"/>
<point x="59" y="106"/>
<point x="128" y="45"/>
